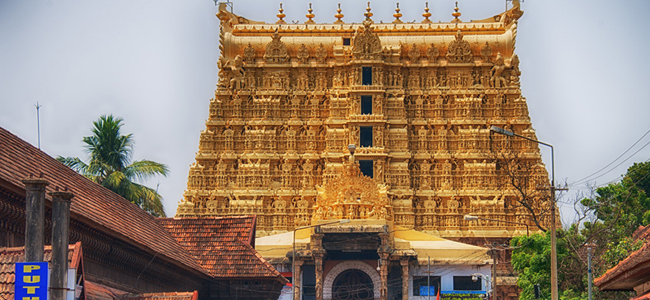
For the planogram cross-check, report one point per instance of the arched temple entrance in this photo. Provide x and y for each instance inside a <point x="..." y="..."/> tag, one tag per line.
<point x="352" y="284"/>
<point x="350" y="280"/>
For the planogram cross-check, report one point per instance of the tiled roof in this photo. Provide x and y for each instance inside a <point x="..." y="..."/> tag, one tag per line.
<point x="222" y="245"/>
<point x="100" y="208"/>
<point x="96" y="291"/>
<point x="161" y="296"/>
<point x="622" y="275"/>
<point x="10" y="256"/>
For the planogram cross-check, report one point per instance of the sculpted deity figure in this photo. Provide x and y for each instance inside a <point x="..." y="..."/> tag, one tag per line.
<point x="237" y="73"/>
<point x="497" y="80"/>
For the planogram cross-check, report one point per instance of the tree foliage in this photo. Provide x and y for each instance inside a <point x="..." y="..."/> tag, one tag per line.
<point x="613" y="213"/>
<point x="110" y="165"/>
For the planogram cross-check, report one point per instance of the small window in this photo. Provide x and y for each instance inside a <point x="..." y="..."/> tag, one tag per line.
<point x="366" y="105"/>
<point x="425" y="286"/>
<point x="366" y="167"/>
<point x="465" y="283"/>
<point x="365" y="136"/>
<point x="346" y="41"/>
<point x="366" y="76"/>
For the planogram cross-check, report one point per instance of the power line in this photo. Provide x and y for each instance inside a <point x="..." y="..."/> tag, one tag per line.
<point x="586" y="178"/>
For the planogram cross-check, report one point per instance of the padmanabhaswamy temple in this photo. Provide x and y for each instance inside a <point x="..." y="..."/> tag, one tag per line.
<point x="386" y="125"/>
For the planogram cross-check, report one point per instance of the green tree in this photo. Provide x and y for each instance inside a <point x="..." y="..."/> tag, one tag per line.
<point x="616" y="211"/>
<point x="110" y="165"/>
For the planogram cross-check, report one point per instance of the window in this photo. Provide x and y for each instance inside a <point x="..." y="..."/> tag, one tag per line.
<point x="346" y="41"/>
<point x="366" y="76"/>
<point x="366" y="167"/>
<point x="365" y="136"/>
<point x="420" y="284"/>
<point x="366" y="105"/>
<point x="465" y="283"/>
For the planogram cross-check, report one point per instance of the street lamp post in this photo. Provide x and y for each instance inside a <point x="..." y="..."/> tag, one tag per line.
<point x="554" y="292"/>
<point x="293" y="254"/>
<point x="488" y="288"/>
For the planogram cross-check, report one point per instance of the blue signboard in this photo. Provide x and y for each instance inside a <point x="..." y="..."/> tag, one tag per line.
<point x="427" y="290"/>
<point x="31" y="281"/>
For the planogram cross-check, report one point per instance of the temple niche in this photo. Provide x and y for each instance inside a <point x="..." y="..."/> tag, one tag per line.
<point x="416" y="99"/>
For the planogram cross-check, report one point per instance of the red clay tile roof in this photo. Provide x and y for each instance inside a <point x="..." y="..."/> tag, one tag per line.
<point x="102" y="208"/>
<point x="161" y="296"/>
<point x="10" y="256"/>
<point x="222" y="245"/>
<point x="628" y="273"/>
<point x="96" y="291"/>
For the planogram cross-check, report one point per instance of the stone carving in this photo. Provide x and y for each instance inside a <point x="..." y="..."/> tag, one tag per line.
<point x="249" y="54"/>
<point x="433" y="53"/>
<point x="459" y="50"/>
<point x="276" y="51"/>
<point x="414" y="54"/>
<point x="275" y="133"/>
<point x="303" y="54"/>
<point x="321" y="54"/>
<point x="367" y="45"/>
<point x="497" y="80"/>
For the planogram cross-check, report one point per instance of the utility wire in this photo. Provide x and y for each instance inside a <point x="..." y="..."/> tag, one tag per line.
<point x="587" y="178"/>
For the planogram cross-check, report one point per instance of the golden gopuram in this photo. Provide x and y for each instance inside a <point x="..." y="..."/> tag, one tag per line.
<point x="383" y="124"/>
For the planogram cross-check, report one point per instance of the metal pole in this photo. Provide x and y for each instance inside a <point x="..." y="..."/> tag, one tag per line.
<point x="554" y="292"/>
<point x="494" y="273"/>
<point x="590" y="274"/>
<point x="293" y="267"/>
<point x="38" y="123"/>
<point x="429" y="278"/>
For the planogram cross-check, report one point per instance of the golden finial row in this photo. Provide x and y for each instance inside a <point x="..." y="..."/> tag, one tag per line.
<point x="339" y="16"/>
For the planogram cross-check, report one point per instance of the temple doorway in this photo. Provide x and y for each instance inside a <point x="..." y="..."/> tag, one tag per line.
<point x="352" y="284"/>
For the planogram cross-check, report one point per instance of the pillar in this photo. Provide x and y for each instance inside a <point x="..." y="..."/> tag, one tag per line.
<point x="384" y="253"/>
<point x="296" y="279"/>
<point x="404" y="262"/>
<point x="319" y="255"/>
<point x="35" y="218"/>
<point x="60" y="241"/>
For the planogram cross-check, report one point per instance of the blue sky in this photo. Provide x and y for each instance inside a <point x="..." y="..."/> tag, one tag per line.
<point x="584" y="73"/>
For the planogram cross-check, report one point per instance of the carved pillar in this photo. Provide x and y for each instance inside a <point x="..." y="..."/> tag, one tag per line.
<point x="296" y="278"/>
<point x="404" y="262"/>
<point x="319" y="255"/>
<point x="384" y="253"/>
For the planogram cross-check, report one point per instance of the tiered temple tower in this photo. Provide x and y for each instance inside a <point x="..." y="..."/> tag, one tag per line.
<point x="416" y="99"/>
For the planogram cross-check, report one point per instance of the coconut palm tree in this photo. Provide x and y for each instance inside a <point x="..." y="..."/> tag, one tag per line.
<point x="110" y="165"/>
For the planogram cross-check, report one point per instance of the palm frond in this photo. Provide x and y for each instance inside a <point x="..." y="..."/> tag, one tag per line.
<point x="74" y="163"/>
<point x="145" y="169"/>
<point x="150" y="200"/>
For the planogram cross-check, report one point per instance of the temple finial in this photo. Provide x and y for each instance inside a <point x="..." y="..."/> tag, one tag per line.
<point x="310" y="15"/>
<point x="426" y="13"/>
<point x="339" y="16"/>
<point x="281" y="16"/>
<point x="456" y="14"/>
<point x="368" y="14"/>
<point x="397" y="15"/>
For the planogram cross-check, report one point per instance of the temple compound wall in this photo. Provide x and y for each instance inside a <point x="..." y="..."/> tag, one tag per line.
<point x="416" y="100"/>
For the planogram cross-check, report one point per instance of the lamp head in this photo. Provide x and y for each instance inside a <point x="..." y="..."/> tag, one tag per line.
<point x="351" y="148"/>
<point x="470" y="218"/>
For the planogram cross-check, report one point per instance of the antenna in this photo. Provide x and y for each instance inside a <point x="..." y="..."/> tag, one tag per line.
<point x="38" y="122"/>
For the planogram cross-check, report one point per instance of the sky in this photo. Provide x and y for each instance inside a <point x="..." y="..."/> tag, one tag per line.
<point x="153" y="63"/>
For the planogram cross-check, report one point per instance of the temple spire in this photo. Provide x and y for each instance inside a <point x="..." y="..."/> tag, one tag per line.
<point x="426" y="13"/>
<point x="281" y="16"/>
<point x="456" y="14"/>
<point x="339" y="15"/>
<point x="310" y="15"/>
<point x="397" y="15"/>
<point x="368" y="14"/>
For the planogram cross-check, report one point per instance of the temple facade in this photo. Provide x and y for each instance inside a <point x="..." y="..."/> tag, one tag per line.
<point x="384" y="124"/>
